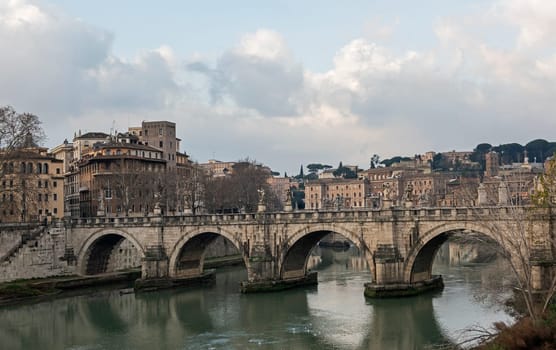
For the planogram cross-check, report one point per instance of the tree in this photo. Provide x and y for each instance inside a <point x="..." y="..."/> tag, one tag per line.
<point x="397" y="159"/>
<point x="300" y="176"/>
<point x="538" y="149"/>
<point x="515" y="229"/>
<point x="240" y="190"/>
<point x="18" y="130"/>
<point x="130" y="183"/>
<point x="510" y="152"/>
<point x="375" y="161"/>
<point x="192" y="188"/>
<point x="345" y="172"/>
<point x="20" y="135"/>
<point x="479" y="152"/>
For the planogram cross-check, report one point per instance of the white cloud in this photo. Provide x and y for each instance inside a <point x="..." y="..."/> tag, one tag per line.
<point x="535" y="19"/>
<point x="257" y="99"/>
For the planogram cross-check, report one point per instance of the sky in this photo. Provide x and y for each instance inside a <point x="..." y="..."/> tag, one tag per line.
<point x="287" y="82"/>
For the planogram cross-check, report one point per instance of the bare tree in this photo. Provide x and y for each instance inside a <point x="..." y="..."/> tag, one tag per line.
<point x="19" y="182"/>
<point x="518" y="229"/>
<point x="18" y="130"/>
<point x="191" y="186"/>
<point x="239" y="191"/>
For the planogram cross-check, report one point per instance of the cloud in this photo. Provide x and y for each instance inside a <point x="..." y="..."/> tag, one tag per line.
<point x="260" y="74"/>
<point x="60" y="67"/>
<point x="535" y="20"/>
<point x="257" y="99"/>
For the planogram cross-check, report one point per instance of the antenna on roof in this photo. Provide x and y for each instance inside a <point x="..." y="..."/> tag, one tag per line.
<point x="112" y="129"/>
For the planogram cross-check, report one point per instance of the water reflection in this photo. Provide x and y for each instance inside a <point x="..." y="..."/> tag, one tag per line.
<point x="332" y="315"/>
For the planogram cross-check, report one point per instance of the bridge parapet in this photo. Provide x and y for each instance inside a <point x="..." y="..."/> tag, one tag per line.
<point x="305" y="216"/>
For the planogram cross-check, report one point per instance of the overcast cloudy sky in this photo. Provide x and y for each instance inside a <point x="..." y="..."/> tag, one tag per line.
<point x="287" y="82"/>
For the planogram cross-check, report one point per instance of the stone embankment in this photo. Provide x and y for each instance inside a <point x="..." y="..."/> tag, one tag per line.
<point x="32" y="252"/>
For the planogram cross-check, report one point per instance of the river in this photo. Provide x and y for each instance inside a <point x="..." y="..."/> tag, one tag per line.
<point x="332" y="315"/>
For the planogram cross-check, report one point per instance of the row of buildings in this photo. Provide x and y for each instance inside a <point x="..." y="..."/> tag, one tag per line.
<point x="129" y="173"/>
<point x="96" y="174"/>
<point x="414" y="182"/>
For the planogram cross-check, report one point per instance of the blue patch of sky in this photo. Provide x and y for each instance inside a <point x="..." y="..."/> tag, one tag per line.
<point x="314" y="29"/>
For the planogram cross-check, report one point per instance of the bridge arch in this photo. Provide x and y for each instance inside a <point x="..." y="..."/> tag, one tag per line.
<point x="188" y="255"/>
<point x="418" y="266"/>
<point x="294" y="258"/>
<point x="94" y="256"/>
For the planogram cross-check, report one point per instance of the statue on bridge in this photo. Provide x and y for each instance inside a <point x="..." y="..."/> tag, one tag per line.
<point x="261" y="193"/>
<point x="408" y="195"/>
<point x="386" y="191"/>
<point x="262" y="206"/>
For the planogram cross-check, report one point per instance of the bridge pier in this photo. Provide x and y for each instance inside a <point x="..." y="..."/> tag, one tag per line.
<point x="155" y="273"/>
<point x="263" y="275"/>
<point x="395" y="290"/>
<point x="389" y="281"/>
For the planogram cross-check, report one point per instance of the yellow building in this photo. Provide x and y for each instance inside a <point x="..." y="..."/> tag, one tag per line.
<point x="31" y="187"/>
<point x="336" y="193"/>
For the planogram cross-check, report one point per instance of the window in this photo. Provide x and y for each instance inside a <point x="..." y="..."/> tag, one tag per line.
<point x="40" y="197"/>
<point x="57" y="170"/>
<point x="45" y="183"/>
<point x="160" y="131"/>
<point x="55" y="210"/>
<point x="108" y="193"/>
<point x="146" y="132"/>
<point x="54" y="184"/>
<point x="55" y="197"/>
<point x="45" y="168"/>
<point x="46" y="197"/>
<point x="159" y="143"/>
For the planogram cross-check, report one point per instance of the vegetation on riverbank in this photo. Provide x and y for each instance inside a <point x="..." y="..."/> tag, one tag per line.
<point x="525" y="334"/>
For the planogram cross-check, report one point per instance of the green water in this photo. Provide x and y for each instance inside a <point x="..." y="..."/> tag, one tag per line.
<point x="332" y="315"/>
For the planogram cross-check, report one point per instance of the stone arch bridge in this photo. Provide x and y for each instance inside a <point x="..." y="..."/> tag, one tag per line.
<point x="399" y="244"/>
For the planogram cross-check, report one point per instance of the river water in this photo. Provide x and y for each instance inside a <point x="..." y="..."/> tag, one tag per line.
<point x="332" y="315"/>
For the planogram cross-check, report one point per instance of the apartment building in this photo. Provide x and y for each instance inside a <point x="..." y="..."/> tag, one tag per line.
<point x="336" y="193"/>
<point x="31" y="187"/>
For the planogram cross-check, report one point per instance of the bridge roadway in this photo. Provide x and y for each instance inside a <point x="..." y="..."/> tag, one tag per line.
<point x="399" y="244"/>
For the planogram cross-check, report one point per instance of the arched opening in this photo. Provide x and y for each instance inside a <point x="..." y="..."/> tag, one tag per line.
<point x="110" y="253"/>
<point x="319" y="249"/>
<point x="204" y="249"/>
<point x="454" y="246"/>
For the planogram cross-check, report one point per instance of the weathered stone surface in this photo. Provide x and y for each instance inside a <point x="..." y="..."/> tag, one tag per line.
<point x="399" y="244"/>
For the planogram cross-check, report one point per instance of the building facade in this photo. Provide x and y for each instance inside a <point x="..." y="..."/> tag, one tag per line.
<point x="336" y="193"/>
<point x="31" y="187"/>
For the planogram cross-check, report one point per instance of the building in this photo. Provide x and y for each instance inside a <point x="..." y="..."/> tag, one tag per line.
<point x="336" y="193"/>
<point x="104" y="174"/>
<point x="492" y="164"/>
<point x="119" y="179"/>
<point x="217" y="168"/>
<point x="281" y="186"/>
<point x="160" y="135"/>
<point x="31" y="187"/>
